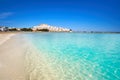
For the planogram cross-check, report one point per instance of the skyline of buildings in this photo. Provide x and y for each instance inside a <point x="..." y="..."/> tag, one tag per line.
<point x="41" y="27"/>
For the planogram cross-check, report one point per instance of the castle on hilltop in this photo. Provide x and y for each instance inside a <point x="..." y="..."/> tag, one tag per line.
<point x="45" y="27"/>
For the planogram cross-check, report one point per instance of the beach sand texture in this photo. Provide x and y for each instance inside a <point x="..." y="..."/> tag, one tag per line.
<point x="11" y="58"/>
<point x="4" y="37"/>
<point x="19" y="60"/>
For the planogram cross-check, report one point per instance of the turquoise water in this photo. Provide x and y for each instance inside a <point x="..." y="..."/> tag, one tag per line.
<point x="77" y="56"/>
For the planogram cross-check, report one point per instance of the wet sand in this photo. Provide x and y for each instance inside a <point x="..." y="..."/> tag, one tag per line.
<point x="20" y="60"/>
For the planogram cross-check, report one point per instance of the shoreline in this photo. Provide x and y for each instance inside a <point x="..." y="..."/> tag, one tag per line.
<point x="5" y="36"/>
<point x="81" y="32"/>
<point x="12" y="57"/>
<point x="20" y="60"/>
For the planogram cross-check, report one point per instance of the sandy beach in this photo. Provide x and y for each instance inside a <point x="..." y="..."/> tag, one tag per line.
<point x="11" y="57"/>
<point x="5" y="36"/>
<point x="42" y="56"/>
<point x="20" y="60"/>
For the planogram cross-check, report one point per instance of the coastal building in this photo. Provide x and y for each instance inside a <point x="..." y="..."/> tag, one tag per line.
<point x="50" y="28"/>
<point x="18" y="29"/>
<point x="3" y="28"/>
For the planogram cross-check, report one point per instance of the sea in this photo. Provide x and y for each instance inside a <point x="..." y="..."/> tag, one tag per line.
<point x="73" y="56"/>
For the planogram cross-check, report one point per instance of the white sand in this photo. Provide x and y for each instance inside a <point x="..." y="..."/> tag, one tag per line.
<point x="4" y="37"/>
<point x="20" y="60"/>
<point x="11" y="57"/>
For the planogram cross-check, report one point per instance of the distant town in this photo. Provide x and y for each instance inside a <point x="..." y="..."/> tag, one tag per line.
<point x="42" y="28"/>
<point x="45" y="28"/>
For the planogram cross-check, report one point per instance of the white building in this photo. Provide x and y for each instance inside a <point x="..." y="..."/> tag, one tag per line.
<point x="3" y="28"/>
<point x="50" y="28"/>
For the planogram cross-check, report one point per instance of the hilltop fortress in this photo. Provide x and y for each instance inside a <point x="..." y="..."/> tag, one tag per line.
<point x="45" y="27"/>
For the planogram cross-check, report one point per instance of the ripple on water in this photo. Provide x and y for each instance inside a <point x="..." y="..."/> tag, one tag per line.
<point x="74" y="56"/>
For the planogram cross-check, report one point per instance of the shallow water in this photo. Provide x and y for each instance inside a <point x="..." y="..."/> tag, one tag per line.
<point x="74" y="56"/>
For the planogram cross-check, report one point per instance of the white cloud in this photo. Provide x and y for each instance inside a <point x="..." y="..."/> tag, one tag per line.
<point x="5" y="15"/>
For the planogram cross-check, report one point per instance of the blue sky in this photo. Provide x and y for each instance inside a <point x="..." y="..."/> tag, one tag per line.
<point x="88" y="15"/>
